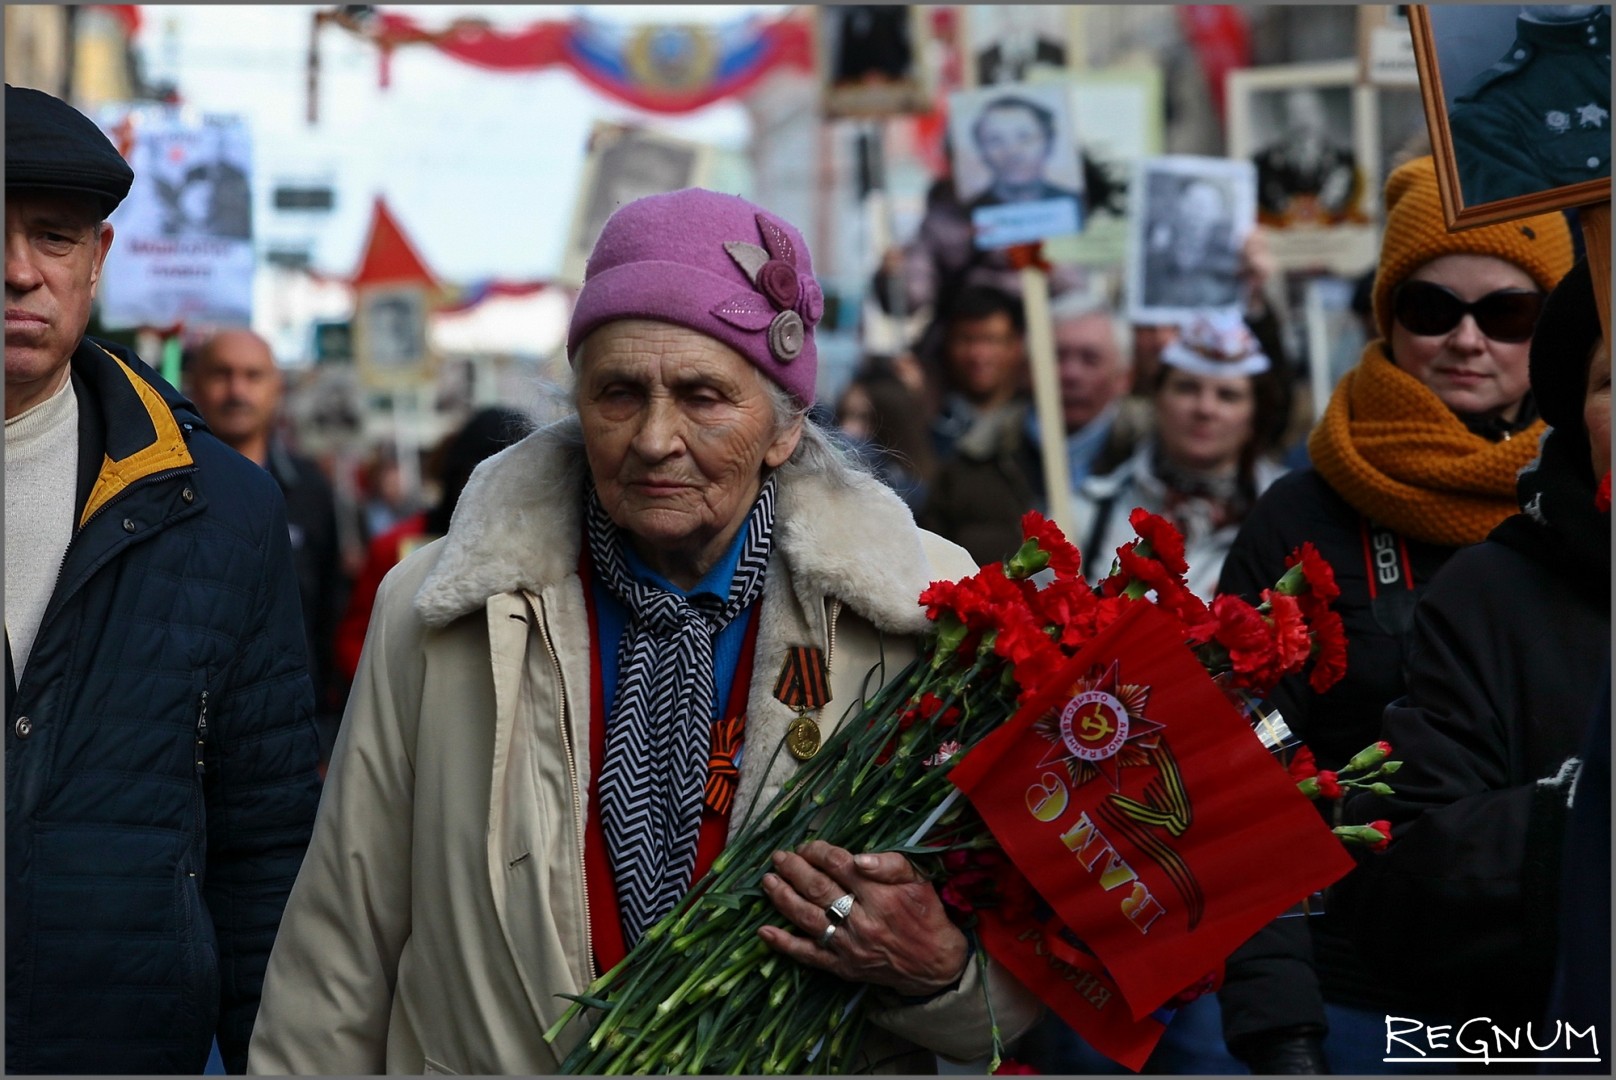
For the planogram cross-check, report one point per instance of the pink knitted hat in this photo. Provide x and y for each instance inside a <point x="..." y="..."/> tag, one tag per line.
<point x="713" y="263"/>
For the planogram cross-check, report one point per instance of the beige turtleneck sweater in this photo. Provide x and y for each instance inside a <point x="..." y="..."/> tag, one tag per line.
<point x="42" y="454"/>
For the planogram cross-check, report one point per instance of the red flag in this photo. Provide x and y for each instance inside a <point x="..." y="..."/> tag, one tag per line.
<point x="1074" y="986"/>
<point x="1221" y="38"/>
<point x="1142" y="808"/>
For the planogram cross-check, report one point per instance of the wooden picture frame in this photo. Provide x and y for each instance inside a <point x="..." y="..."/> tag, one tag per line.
<point x="1446" y="72"/>
<point x="624" y="162"/>
<point x="1316" y="209"/>
<point x="1055" y="29"/>
<point x="856" y="87"/>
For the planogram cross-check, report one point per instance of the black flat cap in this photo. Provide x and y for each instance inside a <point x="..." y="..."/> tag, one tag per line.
<point x="51" y="145"/>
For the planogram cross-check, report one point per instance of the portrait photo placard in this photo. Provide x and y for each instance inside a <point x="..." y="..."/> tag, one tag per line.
<point x="622" y="163"/>
<point x="1016" y="164"/>
<point x="1518" y="102"/>
<point x="1011" y="43"/>
<point x="872" y="60"/>
<point x="1309" y="131"/>
<point x="1191" y="218"/>
<point x="390" y="338"/>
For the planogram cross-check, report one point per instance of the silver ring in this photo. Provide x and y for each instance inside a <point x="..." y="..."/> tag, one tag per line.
<point x="823" y="940"/>
<point x="840" y="908"/>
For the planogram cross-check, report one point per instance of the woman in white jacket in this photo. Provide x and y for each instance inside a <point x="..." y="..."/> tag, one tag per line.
<point x="524" y="783"/>
<point x="1218" y="414"/>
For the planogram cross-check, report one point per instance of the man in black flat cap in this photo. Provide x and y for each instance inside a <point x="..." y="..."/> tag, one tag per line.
<point x="160" y="746"/>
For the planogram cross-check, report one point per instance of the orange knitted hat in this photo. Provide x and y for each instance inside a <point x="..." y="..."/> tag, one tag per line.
<point x="1415" y="234"/>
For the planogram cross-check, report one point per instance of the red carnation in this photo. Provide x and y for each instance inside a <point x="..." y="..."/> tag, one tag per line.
<point x="1317" y="572"/>
<point x="1249" y="641"/>
<point x="1330" y="656"/>
<point x="1144" y="570"/>
<point x="1384" y="828"/>
<point x="1329" y="785"/>
<point x="1290" y="631"/>
<point x="1064" y="557"/>
<point x="1165" y="542"/>
<point x="1602" y="496"/>
<point x="1303" y="765"/>
<point x="1012" y="1067"/>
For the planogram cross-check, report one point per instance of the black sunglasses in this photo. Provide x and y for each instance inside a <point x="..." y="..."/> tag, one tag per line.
<point x="1508" y="315"/>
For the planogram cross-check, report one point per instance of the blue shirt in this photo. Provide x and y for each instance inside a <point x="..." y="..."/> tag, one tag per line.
<point x="612" y="618"/>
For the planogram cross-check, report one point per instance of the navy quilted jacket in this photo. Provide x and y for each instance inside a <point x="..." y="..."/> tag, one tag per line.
<point x="160" y="749"/>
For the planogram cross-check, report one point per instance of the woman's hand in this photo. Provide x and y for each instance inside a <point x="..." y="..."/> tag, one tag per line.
<point x="895" y="935"/>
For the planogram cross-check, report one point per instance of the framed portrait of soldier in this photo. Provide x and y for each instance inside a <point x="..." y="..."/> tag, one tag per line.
<point x="872" y="59"/>
<point x="1011" y="43"/>
<point x="622" y="163"/>
<point x="1517" y="99"/>
<point x="389" y="336"/>
<point x="1191" y="218"/>
<point x="1309" y="130"/>
<point x="1017" y="169"/>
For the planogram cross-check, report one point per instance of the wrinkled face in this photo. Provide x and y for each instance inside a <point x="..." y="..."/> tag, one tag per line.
<point x="1203" y="421"/>
<point x="678" y="429"/>
<point x="1012" y="144"/>
<point x="1092" y="371"/>
<point x="1468" y="370"/>
<point x="55" y="246"/>
<point x="1596" y="408"/>
<point x="237" y="386"/>
<point x="985" y="357"/>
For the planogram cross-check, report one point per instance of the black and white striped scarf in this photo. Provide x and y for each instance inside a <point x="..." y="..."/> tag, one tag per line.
<point x="659" y="731"/>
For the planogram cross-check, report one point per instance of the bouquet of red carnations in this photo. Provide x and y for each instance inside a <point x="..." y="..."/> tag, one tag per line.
<point x="1100" y="692"/>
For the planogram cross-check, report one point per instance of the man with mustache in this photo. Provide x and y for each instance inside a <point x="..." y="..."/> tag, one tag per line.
<point x="235" y="383"/>
<point x="160" y="755"/>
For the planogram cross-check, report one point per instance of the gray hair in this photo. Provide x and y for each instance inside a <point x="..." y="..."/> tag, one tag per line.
<point x="1077" y="304"/>
<point x="817" y="453"/>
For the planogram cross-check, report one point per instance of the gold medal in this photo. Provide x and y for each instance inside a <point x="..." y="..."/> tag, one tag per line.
<point x="802" y="738"/>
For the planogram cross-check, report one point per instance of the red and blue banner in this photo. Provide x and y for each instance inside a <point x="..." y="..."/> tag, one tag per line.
<point x="666" y="68"/>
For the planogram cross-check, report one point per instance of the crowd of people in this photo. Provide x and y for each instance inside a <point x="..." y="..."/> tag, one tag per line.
<point x="533" y="715"/>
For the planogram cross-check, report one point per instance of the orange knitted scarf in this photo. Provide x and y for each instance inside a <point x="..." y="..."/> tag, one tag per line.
<point x="1397" y="454"/>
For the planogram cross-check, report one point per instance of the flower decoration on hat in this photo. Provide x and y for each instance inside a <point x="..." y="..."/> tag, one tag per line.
<point x="1217" y="343"/>
<point x="787" y="303"/>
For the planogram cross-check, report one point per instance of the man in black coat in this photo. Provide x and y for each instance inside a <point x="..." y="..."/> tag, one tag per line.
<point x="236" y="384"/>
<point x="160" y="752"/>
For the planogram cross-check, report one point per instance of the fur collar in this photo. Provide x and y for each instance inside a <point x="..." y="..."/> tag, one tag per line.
<point x="518" y="526"/>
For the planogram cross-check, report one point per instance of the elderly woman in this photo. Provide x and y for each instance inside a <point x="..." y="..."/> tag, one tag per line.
<point x="1216" y="401"/>
<point x="1415" y="457"/>
<point x="523" y="784"/>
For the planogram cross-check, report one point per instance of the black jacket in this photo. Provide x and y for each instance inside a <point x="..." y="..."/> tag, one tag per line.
<point x="1276" y="981"/>
<point x="1506" y="669"/>
<point x="160" y="754"/>
<point x="311" y="514"/>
